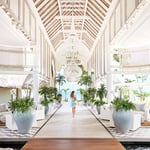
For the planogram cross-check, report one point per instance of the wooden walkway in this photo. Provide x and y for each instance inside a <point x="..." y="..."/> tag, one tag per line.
<point x="62" y="132"/>
<point x="73" y="144"/>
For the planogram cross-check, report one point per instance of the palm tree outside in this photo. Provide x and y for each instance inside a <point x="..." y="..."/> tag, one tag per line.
<point x="65" y="91"/>
<point x="60" y="79"/>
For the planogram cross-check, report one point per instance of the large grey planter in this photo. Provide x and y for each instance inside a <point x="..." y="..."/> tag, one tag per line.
<point x="122" y="120"/>
<point x="98" y="108"/>
<point x="24" y="121"/>
<point x="46" y="110"/>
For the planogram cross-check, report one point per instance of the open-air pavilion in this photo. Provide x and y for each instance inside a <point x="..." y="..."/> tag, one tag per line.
<point x="44" y="39"/>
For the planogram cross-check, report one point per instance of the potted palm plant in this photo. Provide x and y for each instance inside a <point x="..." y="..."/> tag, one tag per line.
<point x="22" y="113"/>
<point x="92" y="92"/>
<point x="49" y="94"/>
<point x="122" y="114"/>
<point x="60" y="79"/>
<point x="86" y="80"/>
<point x="101" y="93"/>
<point x="44" y="90"/>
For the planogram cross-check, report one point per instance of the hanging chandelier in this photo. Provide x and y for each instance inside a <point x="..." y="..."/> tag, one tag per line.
<point x="72" y="57"/>
<point x="72" y="52"/>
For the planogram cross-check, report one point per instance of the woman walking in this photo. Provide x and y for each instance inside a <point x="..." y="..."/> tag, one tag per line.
<point x="73" y="103"/>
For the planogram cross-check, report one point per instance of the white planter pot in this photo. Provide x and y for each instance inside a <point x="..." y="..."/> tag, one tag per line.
<point x="24" y="121"/>
<point x="122" y="120"/>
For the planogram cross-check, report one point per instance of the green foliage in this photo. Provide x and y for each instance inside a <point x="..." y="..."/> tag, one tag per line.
<point x="45" y="102"/>
<point x="140" y="92"/>
<point x="92" y="92"/>
<point x="128" y="80"/>
<point x="44" y="90"/>
<point x="124" y="92"/>
<point x="60" y="79"/>
<point x="123" y="104"/>
<point x="85" y="79"/>
<point x="49" y="94"/>
<point x="101" y="92"/>
<point x="116" y="57"/>
<point x="21" y="104"/>
<point x="142" y="95"/>
<point x="92" y="100"/>
<point x="99" y="102"/>
<point x="65" y="91"/>
<point x="141" y="78"/>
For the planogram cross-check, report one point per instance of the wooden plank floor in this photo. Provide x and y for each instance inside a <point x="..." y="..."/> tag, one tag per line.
<point x="73" y="144"/>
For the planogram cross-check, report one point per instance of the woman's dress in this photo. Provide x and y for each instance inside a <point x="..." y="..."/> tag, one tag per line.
<point x="73" y="104"/>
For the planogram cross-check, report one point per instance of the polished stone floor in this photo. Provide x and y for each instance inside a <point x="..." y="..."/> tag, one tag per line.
<point x="84" y="125"/>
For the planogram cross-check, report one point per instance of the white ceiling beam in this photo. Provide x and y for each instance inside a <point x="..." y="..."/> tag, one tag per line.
<point x="89" y="35"/>
<point x="96" y="12"/>
<point x="73" y="1"/>
<point x="96" y="26"/>
<point x="48" y="10"/>
<point x="66" y="5"/>
<point x="37" y="1"/>
<point x="42" y="4"/>
<point x="60" y="13"/>
<point x="83" y="21"/>
<point x="108" y="2"/>
<point x="68" y="31"/>
<point x="74" y="9"/>
<point x="74" y="17"/>
<point x="53" y="28"/>
<point x="77" y="25"/>
<point x="44" y="9"/>
<point x="46" y="18"/>
<point x="47" y="21"/>
<point x="102" y="4"/>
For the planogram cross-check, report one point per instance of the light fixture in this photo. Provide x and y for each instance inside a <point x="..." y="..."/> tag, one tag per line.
<point x="72" y="55"/>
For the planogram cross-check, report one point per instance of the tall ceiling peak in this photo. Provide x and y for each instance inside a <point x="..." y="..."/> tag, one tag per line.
<point x="59" y="16"/>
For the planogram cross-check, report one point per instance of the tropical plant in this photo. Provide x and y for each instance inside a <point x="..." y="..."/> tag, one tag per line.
<point x="48" y="93"/>
<point x="85" y="79"/>
<point x="124" y="92"/>
<point x="140" y="92"/>
<point x="117" y="56"/>
<point x="123" y="104"/>
<point x="85" y="95"/>
<point x="65" y="91"/>
<point x="44" y="90"/>
<point x="45" y="102"/>
<point x="92" y="92"/>
<point x="99" y="102"/>
<point x="101" y="93"/>
<point x="60" y="79"/>
<point x="122" y="114"/>
<point x="20" y="104"/>
<point x="81" y="90"/>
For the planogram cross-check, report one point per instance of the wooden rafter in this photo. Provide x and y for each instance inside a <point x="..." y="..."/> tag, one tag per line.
<point x="57" y="16"/>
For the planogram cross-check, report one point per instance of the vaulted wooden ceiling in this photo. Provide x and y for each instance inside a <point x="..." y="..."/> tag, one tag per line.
<point x="58" y="16"/>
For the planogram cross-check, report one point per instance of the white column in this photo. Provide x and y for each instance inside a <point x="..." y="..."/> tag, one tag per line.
<point x="35" y="77"/>
<point x="109" y="87"/>
<point x="109" y="77"/>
